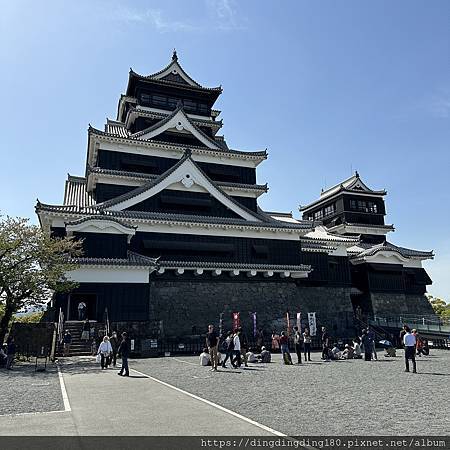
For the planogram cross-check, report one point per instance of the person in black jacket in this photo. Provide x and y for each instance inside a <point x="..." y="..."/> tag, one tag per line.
<point x="124" y="351"/>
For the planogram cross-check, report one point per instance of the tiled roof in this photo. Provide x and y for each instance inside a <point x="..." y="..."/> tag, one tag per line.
<point x="362" y="250"/>
<point x="132" y="260"/>
<point x="320" y="233"/>
<point x="172" y="145"/>
<point x="235" y="266"/>
<point x="100" y="217"/>
<point x="145" y="176"/>
<point x="75" y="192"/>
<point x="116" y="128"/>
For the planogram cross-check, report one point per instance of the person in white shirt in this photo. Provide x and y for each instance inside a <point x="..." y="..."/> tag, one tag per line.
<point x="357" y="354"/>
<point x="409" y="341"/>
<point x="236" y="362"/>
<point x="104" y="350"/>
<point x="251" y="357"/>
<point x="205" y="359"/>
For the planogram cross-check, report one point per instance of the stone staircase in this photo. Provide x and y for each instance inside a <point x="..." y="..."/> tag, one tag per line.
<point x="78" y="347"/>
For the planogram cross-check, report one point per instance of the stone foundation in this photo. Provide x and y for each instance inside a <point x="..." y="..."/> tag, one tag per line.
<point x="187" y="307"/>
<point x="394" y="305"/>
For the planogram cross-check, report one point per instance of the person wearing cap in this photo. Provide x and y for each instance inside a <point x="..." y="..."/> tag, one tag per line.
<point x="348" y="352"/>
<point x="124" y="351"/>
<point x="265" y="355"/>
<point x="409" y="341"/>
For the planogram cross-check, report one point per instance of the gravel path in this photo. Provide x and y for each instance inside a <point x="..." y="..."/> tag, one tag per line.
<point x="23" y="390"/>
<point x="324" y="398"/>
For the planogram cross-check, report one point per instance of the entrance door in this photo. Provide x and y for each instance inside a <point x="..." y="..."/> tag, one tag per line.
<point x="91" y="303"/>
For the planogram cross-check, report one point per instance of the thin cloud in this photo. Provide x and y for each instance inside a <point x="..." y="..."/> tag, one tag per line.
<point x="439" y="105"/>
<point x="154" y="17"/>
<point x="225" y="14"/>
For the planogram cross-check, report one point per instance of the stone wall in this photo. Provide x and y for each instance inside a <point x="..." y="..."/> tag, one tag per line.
<point x="187" y="306"/>
<point x="394" y="304"/>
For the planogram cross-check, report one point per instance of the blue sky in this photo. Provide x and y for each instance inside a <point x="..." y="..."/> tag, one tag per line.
<point x="328" y="87"/>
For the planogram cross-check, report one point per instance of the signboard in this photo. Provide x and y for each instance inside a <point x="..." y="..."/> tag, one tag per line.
<point x="132" y="344"/>
<point x="312" y="323"/>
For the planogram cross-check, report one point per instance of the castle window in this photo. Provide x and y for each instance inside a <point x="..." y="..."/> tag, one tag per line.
<point x="372" y="207"/>
<point x="145" y="98"/>
<point x="352" y="204"/>
<point x="172" y="102"/>
<point x="159" y="100"/>
<point x="189" y="104"/>
<point x="202" y="107"/>
<point x="318" y="214"/>
<point x="329" y="209"/>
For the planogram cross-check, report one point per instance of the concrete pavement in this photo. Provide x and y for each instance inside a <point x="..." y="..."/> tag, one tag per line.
<point x="104" y="404"/>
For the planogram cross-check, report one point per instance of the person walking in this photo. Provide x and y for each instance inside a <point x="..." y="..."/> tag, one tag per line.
<point x="372" y="337"/>
<point x="67" y="340"/>
<point x="104" y="350"/>
<point x="81" y="310"/>
<point x="367" y="345"/>
<point x="307" y="343"/>
<point x="114" y="341"/>
<point x="212" y="342"/>
<point x="10" y="352"/>
<point x="325" y="344"/>
<point x="86" y="333"/>
<point x="236" y="361"/>
<point x="228" y="347"/>
<point x="124" y="351"/>
<point x="284" y="344"/>
<point x="409" y="341"/>
<point x="298" y="343"/>
<point x="244" y="345"/>
<point x="275" y="341"/>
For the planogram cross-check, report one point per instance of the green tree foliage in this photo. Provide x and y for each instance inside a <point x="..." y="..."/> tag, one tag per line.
<point x="34" y="317"/>
<point x="32" y="266"/>
<point x="440" y="307"/>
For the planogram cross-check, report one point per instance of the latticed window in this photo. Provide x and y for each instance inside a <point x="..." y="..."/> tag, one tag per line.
<point x="329" y="209"/>
<point x="318" y="214"/>
<point x="372" y="207"/>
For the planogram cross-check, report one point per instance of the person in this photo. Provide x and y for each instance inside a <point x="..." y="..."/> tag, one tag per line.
<point x="348" y="352"/>
<point x="205" y="359"/>
<point x="10" y="352"/>
<point x="212" y="342"/>
<point x="85" y="334"/>
<point x="244" y="345"/>
<point x="298" y="341"/>
<point x="265" y="355"/>
<point x="336" y="352"/>
<point x="367" y="343"/>
<point x="325" y="344"/>
<point x="114" y="341"/>
<point x="275" y="341"/>
<point x="124" y="351"/>
<point x="251" y="357"/>
<point x="105" y="350"/>
<point x="357" y="348"/>
<point x="391" y="352"/>
<point x="228" y="346"/>
<point x="419" y="343"/>
<point x="284" y="344"/>
<point x="236" y="361"/>
<point x="372" y="337"/>
<point x="409" y="341"/>
<point x="402" y="333"/>
<point x="67" y="340"/>
<point x="259" y="339"/>
<point x="307" y="343"/>
<point x="81" y="310"/>
<point x="3" y="355"/>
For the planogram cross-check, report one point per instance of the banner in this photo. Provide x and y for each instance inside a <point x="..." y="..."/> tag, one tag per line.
<point x="288" y="324"/>
<point x="254" y="323"/>
<point x="236" y="320"/>
<point x="107" y="322"/>
<point x="299" y="321"/>
<point x="312" y="323"/>
<point x="60" y="329"/>
<point x="220" y="324"/>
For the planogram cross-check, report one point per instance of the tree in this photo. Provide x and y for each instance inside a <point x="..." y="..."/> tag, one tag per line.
<point x="440" y="307"/>
<point x="33" y="265"/>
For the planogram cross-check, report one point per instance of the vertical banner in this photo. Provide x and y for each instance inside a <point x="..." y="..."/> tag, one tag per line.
<point x="288" y="324"/>
<point x="107" y="322"/>
<point x="312" y="323"/>
<point x="254" y="323"/>
<point x="236" y="320"/>
<point x="299" y="321"/>
<point x="220" y="324"/>
<point x="60" y="328"/>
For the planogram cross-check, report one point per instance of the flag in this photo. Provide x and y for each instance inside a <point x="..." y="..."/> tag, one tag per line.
<point x="236" y="320"/>
<point x="312" y="323"/>
<point x="60" y="327"/>
<point x="220" y="324"/>
<point x="254" y="323"/>
<point x="288" y="324"/>
<point x="299" y="321"/>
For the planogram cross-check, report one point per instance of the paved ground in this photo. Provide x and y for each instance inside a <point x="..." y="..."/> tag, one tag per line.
<point x="24" y="390"/>
<point x="332" y="398"/>
<point x="337" y="398"/>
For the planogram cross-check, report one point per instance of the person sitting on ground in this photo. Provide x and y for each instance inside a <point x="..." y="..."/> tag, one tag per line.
<point x="357" y="352"/>
<point x="205" y="359"/>
<point x="265" y="356"/>
<point x="251" y="357"/>
<point x="348" y="352"/>
<point x="391" y="352"/>
<point x="336" y="352"/>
